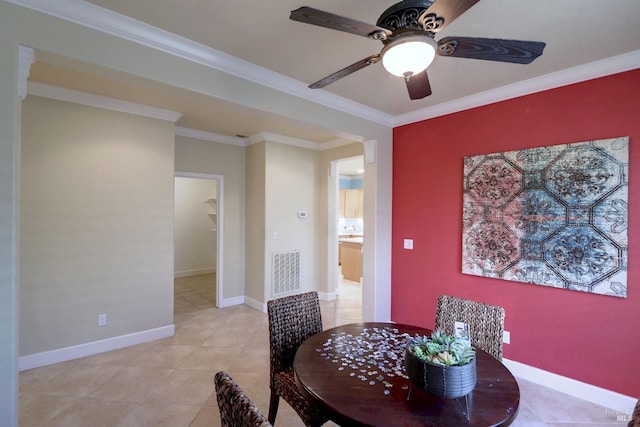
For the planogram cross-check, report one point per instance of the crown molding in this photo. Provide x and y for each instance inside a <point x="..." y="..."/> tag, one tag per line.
<point x="26" y="57"/>
<point x="259" y="137"/>
<point x="282" y="139"/>
<point x="210" y="136"/>
<point x="104" y="20"/>
<point x="606" y="67"/>
<point x="83" y="98"/>
<point x="107" y="21"/>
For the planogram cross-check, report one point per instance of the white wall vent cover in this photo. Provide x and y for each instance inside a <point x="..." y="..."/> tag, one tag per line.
<point x="286" y="272"/>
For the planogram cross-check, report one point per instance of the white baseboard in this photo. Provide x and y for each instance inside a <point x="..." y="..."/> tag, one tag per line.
<point x="188" y="273"/>
<point x="82" y="350"/>
<point x="262" y="307"/>
<point x="228" y="302"/>
<point x="600" y="396"/>
<point x="255" y="304"/>
<point x="327" y="296"/>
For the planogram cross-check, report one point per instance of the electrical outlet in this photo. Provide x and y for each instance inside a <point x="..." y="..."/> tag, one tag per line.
<point x="506" y="337"/>
<point x="102" y="319"/>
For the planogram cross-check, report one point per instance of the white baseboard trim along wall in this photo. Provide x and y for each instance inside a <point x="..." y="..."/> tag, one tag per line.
<point x="590" y="393"/>
<point x="82" y="350"/>
<point x="189" y="273"/>
<point x="600" y="396"/>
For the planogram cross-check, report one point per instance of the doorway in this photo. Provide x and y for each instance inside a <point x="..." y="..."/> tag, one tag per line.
<point x="197" y="237"/>
<point x="349" y="217"/>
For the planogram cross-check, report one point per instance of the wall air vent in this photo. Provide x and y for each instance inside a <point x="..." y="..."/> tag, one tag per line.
<point x="286" y="272"/>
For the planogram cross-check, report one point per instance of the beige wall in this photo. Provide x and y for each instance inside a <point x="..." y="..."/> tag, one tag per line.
<point x="96" y="224"/>
<point x="281" y="181"/>
<point x="228" y="161"/>
<point x="290" y="187"/>
<point x="195" y="227"/>
<point x="255" y="225"/>
<point x="22" y="26"/>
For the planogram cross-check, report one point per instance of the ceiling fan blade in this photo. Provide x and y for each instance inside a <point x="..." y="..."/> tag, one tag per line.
<point x="312" y="16"/>
<point x="443" y="12"/>
<point x="418" y="85"/>
<point x="515" y="51"/>
<point x="346" y="71"/>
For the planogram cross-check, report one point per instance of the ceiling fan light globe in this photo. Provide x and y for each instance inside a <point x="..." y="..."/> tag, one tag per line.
<point x="410" y="55"/>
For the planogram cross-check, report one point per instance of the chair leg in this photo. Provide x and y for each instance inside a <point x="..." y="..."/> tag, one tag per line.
<point x="273" y="407"/>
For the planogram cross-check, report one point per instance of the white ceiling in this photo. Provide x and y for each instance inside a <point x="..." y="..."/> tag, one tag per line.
<point x="581" y="36"/>
<point x="354" y="166"/>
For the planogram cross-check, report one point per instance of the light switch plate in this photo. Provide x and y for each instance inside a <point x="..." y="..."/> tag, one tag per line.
<point x="408" y="243"/>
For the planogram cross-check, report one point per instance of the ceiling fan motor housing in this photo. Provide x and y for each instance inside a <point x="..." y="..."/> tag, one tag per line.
<point x="404" y="16"/>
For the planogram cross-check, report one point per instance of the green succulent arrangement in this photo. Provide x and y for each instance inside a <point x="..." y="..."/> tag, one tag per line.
<point x="442" y="349"/>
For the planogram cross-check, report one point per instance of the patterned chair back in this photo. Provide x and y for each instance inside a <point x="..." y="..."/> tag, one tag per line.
<point x="236" y="409"/>
<point x="486" y="322"/>
<point x="292" y="320"/>
<point x="635" y="418"/>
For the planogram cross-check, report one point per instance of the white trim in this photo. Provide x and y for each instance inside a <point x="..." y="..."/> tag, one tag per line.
<point x="229" y="302"/>
<point x="265" y="136"/>
<point x="327" y="296"/>
<point x="26" y="57"/>
<point x="87" y="349"/>
<point x="83" y="98"/>
<point x="590" y="393"/>
<point x="255" y="304"/>
<point x="282" y="139"/>
<point x="107" y="21"/>
<point x="370" y="150"/>
<point x="190" y="273"/>
<point x="220" y="301"/>
<point x="328" y="145"/>
<point x="210" y="136"/>
<point x="605" y="67"/>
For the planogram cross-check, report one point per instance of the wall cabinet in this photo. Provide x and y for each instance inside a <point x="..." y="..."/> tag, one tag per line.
<point x="351" y="203"/>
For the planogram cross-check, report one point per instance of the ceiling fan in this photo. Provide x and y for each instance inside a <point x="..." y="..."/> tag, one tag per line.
<point x="407" y="30"/>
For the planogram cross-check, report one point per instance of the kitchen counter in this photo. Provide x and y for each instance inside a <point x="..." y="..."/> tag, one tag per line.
<point x="351" y="239"/>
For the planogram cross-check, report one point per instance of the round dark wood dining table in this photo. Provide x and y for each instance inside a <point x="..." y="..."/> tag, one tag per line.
<point x="356" y="374"/>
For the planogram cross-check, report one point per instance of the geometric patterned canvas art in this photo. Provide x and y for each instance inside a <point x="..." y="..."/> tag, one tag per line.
<point x="553" y="216"/>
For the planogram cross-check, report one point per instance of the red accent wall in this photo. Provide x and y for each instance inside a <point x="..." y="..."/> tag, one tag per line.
<point x="587" y="337"/>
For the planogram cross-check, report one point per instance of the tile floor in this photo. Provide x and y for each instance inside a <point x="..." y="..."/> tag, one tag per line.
<point x="169" y="382"/>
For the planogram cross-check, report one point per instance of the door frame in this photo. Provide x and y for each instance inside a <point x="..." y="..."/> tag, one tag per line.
<point x="219" y="227"/>
<point x="334" y="216"/>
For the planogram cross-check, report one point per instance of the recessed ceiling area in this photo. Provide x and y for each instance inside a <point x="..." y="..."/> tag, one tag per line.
<point x="584" y="39"/>
<point x="199" y="112"/>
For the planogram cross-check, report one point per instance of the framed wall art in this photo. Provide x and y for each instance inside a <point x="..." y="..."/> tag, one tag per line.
<point x="553" y="216"/>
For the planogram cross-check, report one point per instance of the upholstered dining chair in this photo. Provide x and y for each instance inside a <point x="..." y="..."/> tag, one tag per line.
<point x="236" y="409"/>
<point x="292" y="319"/>
<point x="486" y="322"/>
